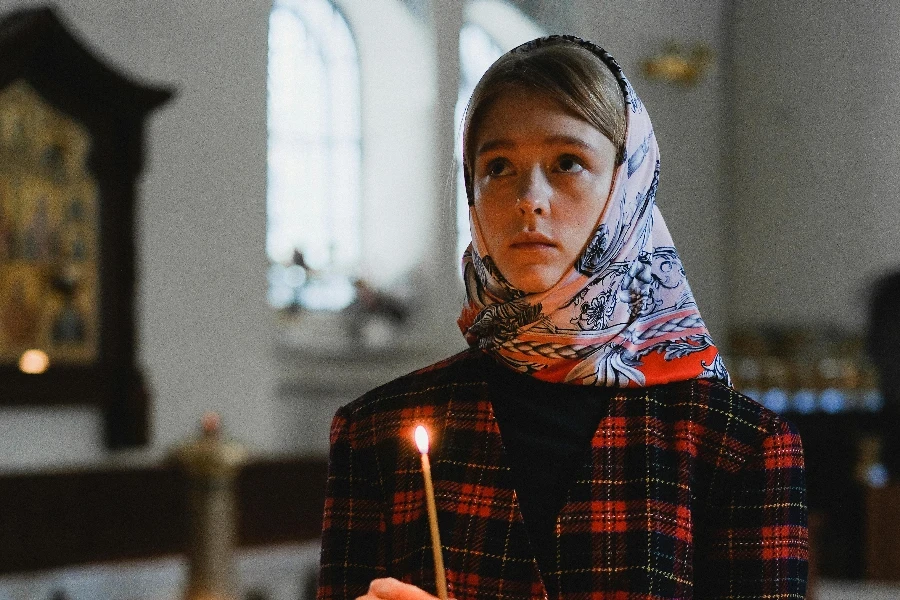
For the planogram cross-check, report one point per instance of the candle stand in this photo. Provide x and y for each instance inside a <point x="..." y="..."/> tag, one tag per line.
<point x="211" y="465"/>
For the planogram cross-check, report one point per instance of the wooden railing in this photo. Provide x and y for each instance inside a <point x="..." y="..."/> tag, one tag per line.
<point x="54" y="520"/>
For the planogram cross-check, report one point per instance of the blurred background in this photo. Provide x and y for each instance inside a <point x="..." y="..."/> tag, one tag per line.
<point x="296" y="235"/>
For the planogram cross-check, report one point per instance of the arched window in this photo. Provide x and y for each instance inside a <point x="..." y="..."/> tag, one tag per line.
<point x="491" y="28"/>
<point x="314" y="156"/>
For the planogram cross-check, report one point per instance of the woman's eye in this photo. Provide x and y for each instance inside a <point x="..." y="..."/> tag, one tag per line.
<point x="570" y="164"/>
<point x="497" y="167"/>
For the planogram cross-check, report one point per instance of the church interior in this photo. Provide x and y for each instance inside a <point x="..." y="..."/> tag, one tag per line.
<point x="221" y="221"/>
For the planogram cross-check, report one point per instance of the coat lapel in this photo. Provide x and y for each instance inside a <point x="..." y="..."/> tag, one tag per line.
<point x="626" y="510"/>
<point x="487" y="553"/>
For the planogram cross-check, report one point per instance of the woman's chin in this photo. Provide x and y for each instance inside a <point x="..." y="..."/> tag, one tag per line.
<point x="535" y="280"/>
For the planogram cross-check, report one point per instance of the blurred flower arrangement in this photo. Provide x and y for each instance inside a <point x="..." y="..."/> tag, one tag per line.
<point x="368" y="316"/>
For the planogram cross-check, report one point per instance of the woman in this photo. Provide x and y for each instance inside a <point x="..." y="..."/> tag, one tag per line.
<point x="588" y="442"/>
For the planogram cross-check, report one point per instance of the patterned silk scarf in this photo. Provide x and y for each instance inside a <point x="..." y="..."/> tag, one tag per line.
<point x="624" y="315"/>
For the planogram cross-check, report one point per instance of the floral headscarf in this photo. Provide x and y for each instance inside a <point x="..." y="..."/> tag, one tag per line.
<point x="624" y="315"/>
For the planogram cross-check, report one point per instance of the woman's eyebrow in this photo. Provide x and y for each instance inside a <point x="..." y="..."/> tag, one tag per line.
<point x="489" y="145"/>
<point x="569" y="140"/>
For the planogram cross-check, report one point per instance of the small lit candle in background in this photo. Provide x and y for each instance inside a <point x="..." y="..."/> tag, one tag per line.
<point x="440" y="579"/>
<point x="34" y="362"/>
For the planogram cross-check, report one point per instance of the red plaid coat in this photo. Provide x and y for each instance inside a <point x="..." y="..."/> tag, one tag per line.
<point x="692" y="491"/>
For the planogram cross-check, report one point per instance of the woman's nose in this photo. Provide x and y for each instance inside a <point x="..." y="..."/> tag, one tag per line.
<point x="534" y="192"/>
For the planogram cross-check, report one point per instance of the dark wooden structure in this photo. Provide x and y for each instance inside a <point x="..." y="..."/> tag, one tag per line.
<point x="60" y="519"/>
<point x="883" y="533"/>
<point x="36" y="48"/>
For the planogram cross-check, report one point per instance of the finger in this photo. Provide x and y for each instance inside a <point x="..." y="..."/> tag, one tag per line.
<point x="392" y="589"/>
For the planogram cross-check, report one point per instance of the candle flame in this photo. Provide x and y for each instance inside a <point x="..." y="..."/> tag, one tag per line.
<point x="210" y="423"/>
<point x="422" y="439"/>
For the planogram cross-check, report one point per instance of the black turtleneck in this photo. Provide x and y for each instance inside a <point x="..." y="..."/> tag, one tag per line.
<point x="547" y="430"/>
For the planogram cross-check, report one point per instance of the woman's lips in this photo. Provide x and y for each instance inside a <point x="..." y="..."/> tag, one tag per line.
<point x="532" y="241"/>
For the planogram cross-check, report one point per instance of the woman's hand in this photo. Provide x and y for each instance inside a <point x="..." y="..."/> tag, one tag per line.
<point x="392" y="589"/>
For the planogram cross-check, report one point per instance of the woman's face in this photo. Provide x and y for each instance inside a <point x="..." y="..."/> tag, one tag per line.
<point x="541" y="179"/>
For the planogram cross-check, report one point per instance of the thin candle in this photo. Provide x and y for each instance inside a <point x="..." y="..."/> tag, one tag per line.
<point x="440" y="580"/>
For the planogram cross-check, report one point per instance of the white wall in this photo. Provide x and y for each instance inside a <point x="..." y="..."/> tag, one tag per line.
<point x="816" y="212"/>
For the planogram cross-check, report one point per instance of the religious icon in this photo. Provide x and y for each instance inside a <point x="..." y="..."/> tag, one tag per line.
<point x="48" y="209"/>
<point x="71" y="149"/>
